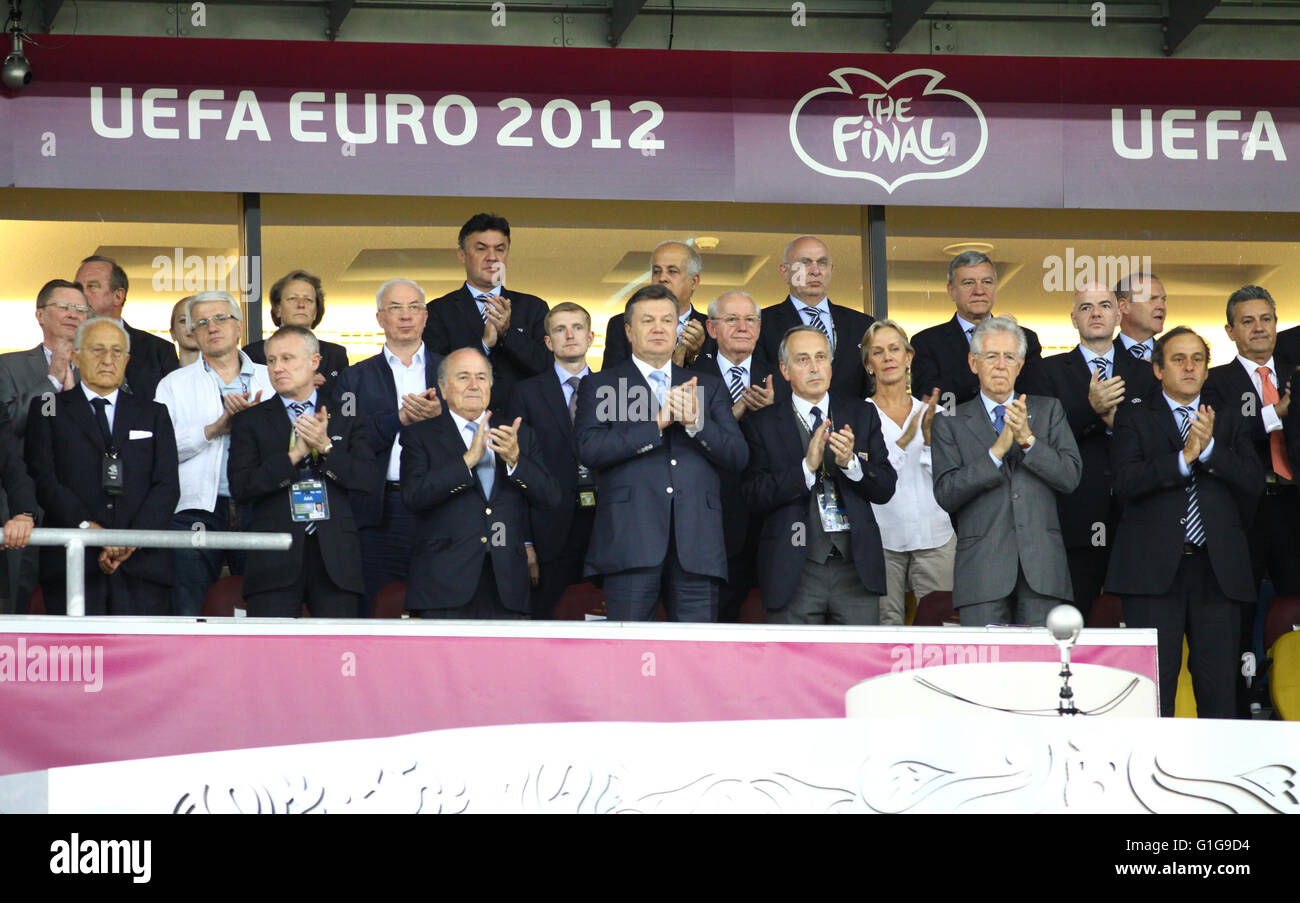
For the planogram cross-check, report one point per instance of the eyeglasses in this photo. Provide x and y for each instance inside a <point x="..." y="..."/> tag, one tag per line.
<point x="219" y="319"/>
<point x="104" y="351"/>
<point x="64" y="307"/>
<point x="992" y="357"/>
<point x="733" y="322"/>
<point x="412" y="308"/>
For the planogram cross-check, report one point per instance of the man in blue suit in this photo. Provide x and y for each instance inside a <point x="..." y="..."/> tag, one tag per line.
<point x="656" y="435"/>
<point x="389" y="392"/>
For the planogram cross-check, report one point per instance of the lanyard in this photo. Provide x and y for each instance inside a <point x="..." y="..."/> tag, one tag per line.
<point x="830" y="426"/>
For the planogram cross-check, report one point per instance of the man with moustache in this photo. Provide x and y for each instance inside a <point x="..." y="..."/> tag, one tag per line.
<point x="816" y="465"/>
<point x="999" y="463"/>
<point x="1142" y="313"/>
<point x="152" y="358"/>
<point x="807" y="269"/>
<point x="657" y="435"/>
<point x="943" y="351"/>
<point x="390" y="392"/>
<point x="1091" y="381"/>
<point x="507" y="326"/>
<point x="469" y="485"/>
<point x="1188" y="476"/>
<point x="294" y="463"/>
<point x="734" y="325"/>
<point x="677" y="266"/>
<point x="549" y="403"/>
<point x="104" y="459"/>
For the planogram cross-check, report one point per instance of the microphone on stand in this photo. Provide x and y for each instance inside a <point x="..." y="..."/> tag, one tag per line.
<point x="1064" y="622"/>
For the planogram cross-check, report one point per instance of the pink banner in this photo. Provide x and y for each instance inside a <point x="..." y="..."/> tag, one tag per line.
<point x="123" y="690"/>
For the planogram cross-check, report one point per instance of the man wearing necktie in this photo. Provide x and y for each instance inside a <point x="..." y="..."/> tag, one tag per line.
<point x="1141" y="299"/>
<point x="942" y="352"/>
<point x="103" y="458"/>
<point x="295" y="462"/>
<point x="1091" y="381"/>
<point x="507" y="326"/>
<point x="817" y="463"/>
<point x="1188" y="478"/>
<point x="656" y="435"/>
<point x="548" y="403"/>
<point x="999" y="462"/>
<point x="469" y="485"/>
<point x="677" y="266"/>
<point x="1258" y="384"/>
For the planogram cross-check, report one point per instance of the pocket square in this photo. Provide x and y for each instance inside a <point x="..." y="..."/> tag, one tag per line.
<point x="140" y="434"/>
<point x="336" y="438"/>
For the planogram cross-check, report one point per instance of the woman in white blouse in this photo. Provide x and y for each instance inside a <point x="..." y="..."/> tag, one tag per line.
<point x="917" y="535"/>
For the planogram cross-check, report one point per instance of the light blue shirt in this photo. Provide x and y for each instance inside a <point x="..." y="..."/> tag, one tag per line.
<point x="1128" y="344"/>
<point x="823" y="308"/>
<point x="1108" y="357"/>
<point x="564" y="376"/>
<point x="966" y="326"/>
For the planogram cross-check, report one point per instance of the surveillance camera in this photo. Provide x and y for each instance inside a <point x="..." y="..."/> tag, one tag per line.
<point x="17" y="71"/>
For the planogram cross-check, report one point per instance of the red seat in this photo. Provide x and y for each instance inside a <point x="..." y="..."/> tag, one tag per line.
<point x="1283" y="613"/>
<point x="578" y="601"/>
<point x="36" y="604"/>
<point x="933" y="609"/>
<point x="1106" y="611"/>
<point x="223" y="597"/>
<point x="390" y="601"/>
<point x="752" y="610"/>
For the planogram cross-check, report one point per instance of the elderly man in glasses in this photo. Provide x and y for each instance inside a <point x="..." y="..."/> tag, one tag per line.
<point x="201" y="398"/>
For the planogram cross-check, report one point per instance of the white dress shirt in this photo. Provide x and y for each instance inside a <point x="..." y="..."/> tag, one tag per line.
<point x="912" y="520"/>
<point x="408" y="380"/>
<point x="111" y="410"/>
<point x="724" y="367"/>
<point x="804" y="409"/>
<point x="1268" y="413"/>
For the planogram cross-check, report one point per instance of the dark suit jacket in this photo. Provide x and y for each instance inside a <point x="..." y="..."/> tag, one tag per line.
<point x="457" y="525"/>
<point x="774" y="487"/>
<point x="618" y="349"/>
<point x="737" y="519"/>
<point x="1230" y="385"/>
<point x="375" y="398"/>
<point x="260" y="474"/>
<point x="14" y="479"/>
<point x="455" y="322"/>
<point x="333" y="361"/>
<point x="152" y="358"/>
<point x="1149" y="545"/>
<point x="65" y="456"/>
<point x="943" y="359"/>
<point x="848" y="376"/>
<point x="539" y="400"/>
<point x="646" y="480"/>
<point x="1065" y="377"/>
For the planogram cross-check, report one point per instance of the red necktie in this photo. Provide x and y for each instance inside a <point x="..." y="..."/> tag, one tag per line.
<point x="1276" y="442"/>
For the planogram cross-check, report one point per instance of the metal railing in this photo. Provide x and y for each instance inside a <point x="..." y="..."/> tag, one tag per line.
<point x="76" y="540"/>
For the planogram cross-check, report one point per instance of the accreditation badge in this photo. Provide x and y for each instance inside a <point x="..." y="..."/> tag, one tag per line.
<point x="831" y="509"/>
<point x="308" y="501"/>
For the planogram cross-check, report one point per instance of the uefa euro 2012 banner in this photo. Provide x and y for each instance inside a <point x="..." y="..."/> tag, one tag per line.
<point x="138" y="688"/>
<point x="685" y="125"/>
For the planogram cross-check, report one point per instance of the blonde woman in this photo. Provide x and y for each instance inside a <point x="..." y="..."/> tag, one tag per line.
<point x="917" y="535"/>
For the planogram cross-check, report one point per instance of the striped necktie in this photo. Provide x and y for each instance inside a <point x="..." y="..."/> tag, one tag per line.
<point x="1100" y="364"/>
<point x="737" y="384"/>
<point x="1195" y="529"/>
<point x="815" y="319"/>
<point x="1139" y="350"/>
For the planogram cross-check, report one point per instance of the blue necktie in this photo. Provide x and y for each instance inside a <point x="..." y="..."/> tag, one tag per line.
<point x="999" y="421"/>
<point x="660" y="379"/>
<point x="1100" y="364"/>
<point x="485" y="468"/>
<point x="1139" y="351"/>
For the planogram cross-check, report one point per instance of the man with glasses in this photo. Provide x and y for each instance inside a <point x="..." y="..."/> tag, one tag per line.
<point x="999" y="462"/>
<point x="102" y="458"/>
<point x="735" y="324"/>
<point x="48" y="368"/>
<point x="391" y="391"/>
<point x="807" y="270"/>
<point x="105" y="285"/>
<point x="942" y="352"/>
<point x="201" y="399"/>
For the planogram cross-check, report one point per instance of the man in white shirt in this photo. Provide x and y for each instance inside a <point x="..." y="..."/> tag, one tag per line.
<point x="201" y="399"/>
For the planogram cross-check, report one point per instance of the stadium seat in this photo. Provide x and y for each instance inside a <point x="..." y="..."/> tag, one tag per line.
<point x="223" y="597"/>
<point x="752" y="610"/>
<point x="578" y="601"/>
<point x="933" y="609"/>
<point x="1106" y="611"/>
<point x="1284" y="679"/>
<point x="36" y="604"/>
<point x="1283" y="614"/>
<point x="390" y="601"/>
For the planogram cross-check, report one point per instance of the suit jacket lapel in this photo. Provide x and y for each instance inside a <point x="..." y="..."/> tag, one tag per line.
<point x="83" y="415"/>
<point x="123" y="417"/>
<point x="553" y="393"/>
<point x="37" y="365"/>
<point x="452" y="442"/>
<point x="789" y="430"/>
<point x="1167" y="420"/>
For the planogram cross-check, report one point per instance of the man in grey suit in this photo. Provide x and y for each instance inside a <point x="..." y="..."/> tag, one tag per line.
<point x="60" y="309"/>
<point x="998" y="463"/>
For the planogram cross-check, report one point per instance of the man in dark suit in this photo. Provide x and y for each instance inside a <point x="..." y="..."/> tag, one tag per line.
<point x="807" y="270"/>
<point x="942" y="352"/>
<point x="1091" y="381"/>
<point x="46" y="369"/>
<point x="735" y="322"/>
<point x="816" y="465"/>
<point x="152" y="358"/>
<point x="390" y="391"/>
<point x="999" y="464"/>
<point x="548" y="403"/>
<point x="470" y="485"/>
<point x="105" y="459"/>
<point x="507" y="326"/>
<point x="297" y="299"/>
<point x="656" y="435"/>
<point x="1142" y="301"/>
<point x="677" y="266"/>
<point x="294" y="462"/>
<point x="1187" y="475"/>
